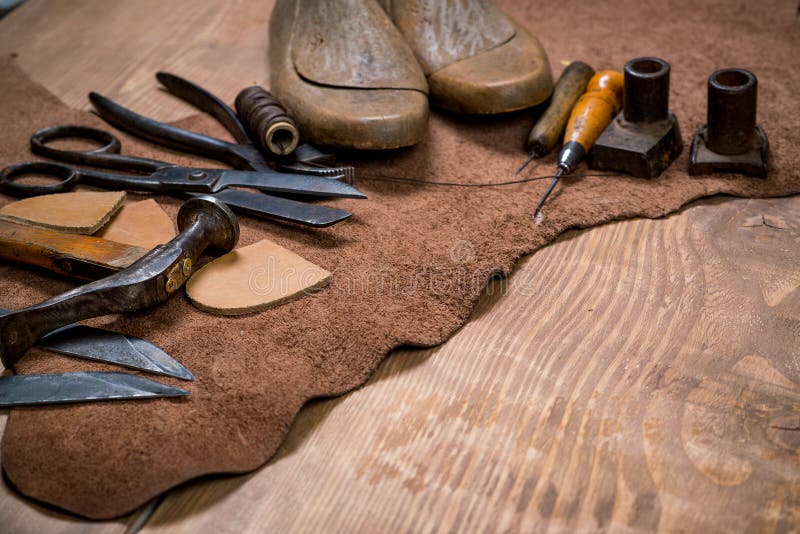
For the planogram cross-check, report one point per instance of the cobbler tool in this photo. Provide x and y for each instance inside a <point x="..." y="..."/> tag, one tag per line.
<point x="242" y="154"/>
<point x="205" y="223"/>
<point x="645" y="138"/>
<point x="76" y="256"/>
<point x="60" y="388"/>
<point x="592" y="114"/>
<point x="161" y="177"/>
<point x="548" y="129"/>
<point x="731" y="141"/>
<point x="267" y="121"/>
<point x="105" y="346"/>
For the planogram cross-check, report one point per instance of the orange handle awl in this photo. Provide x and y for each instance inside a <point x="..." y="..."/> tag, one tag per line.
<point x="591" y="115"/>
<point x="596" y="109"/>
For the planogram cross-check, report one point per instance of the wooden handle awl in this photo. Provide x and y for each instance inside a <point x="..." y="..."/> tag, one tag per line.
<point x="596" y="108"/>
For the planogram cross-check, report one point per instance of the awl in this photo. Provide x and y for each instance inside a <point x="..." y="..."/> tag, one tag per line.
<point x="59" y="388"/>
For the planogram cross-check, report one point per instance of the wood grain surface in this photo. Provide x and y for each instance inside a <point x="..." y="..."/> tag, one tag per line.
<point x="640" y="375"/>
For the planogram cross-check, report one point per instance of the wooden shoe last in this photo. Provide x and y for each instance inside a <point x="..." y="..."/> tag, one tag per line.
<point x="476" y="59"/>
<point x="347" y="74"/>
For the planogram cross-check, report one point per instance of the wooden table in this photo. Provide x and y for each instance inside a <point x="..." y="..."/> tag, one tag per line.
<point x="642" y="374"/>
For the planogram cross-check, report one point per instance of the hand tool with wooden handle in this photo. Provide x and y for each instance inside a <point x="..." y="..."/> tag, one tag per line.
<point x="545" y="133"/>
<point x="592" y="114"/>
<point x="205" y="223"/>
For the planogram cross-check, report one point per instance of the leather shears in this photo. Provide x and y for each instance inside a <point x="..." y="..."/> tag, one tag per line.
<point x="161" y="177"/>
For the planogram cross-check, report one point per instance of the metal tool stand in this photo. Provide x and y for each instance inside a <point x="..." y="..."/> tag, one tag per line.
<point x="645" y="138"/>
<point x="731" y="141"/>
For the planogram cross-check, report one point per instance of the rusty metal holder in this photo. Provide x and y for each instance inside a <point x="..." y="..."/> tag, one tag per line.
<point x="644" y="139"/>
<point x="731" y="141"/>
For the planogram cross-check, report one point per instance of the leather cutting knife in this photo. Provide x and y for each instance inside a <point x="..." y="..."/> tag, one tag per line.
<point x="59" y="388"/>
<point x="106" y="346"/>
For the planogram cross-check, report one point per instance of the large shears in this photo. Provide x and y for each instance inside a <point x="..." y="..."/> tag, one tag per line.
<point x="161" y="177"/>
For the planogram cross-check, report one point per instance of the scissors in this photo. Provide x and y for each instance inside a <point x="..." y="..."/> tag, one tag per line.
<point x="157" y="176"/>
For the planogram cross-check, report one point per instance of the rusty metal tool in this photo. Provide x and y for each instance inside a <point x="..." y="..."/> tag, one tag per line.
<point x="592" y="114"/>
<point x="547" y="131"/>
<point x="105" y="346"/>
<point x="243" y="155"/>
<point x="205" y="223"/>
<point x="61" y="388"/>
<point x="157" y="176"/>
<point x="645" y="138"/>
<point x="731" y="141"/>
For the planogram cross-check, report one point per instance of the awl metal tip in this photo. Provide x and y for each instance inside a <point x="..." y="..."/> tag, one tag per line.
<point x="559" y="174"/>
<point x="527" y="162"/>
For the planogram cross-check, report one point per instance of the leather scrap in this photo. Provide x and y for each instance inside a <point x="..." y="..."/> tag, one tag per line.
<point x="82" y="212"/>
<point x="254" y="278"/>
<point x="143" y="224"/>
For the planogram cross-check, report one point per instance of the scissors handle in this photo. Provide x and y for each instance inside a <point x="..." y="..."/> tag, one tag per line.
<point x="68" y="179"/>
<point x="107" y="155"/>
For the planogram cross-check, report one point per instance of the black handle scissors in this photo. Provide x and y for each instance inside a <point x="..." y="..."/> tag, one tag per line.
<point x="161" y="177"/>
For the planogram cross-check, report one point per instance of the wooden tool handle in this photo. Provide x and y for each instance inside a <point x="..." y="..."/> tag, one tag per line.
<point x="544" y="135"/>
<point x="76" y="256"/>
<point x="205" y="222"/>
<point x="596" y="108"/>
<point x="267" y="121"/>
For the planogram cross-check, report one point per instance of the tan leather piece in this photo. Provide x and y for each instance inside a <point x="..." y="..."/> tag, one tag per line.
<point x="254" y="278"/>
<point x="341" y="117"/>
<point x="83" y="212"/>
<point x="143" y="224"/>
<point x="441" y="32"/>
<point x="352" y="43"/>
<point x="515" y="75"/>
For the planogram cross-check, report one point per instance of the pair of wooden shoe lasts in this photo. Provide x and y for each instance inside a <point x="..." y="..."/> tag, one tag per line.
<point x="359" y="73"/>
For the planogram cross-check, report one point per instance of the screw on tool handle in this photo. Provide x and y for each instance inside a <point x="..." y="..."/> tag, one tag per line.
<point x="205" y="223"/>
<point x="267" y="121"/>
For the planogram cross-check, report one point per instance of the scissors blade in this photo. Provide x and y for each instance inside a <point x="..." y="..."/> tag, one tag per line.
<point x="282" y="209"/>
<point x="85" y="386"/>
<point x="282" y="182"/>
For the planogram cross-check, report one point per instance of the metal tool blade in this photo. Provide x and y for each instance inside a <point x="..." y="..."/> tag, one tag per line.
<point x="281" y="182"/>
<point x="111" y="347"/>
<point x="59" y="388"/>
<point x="282" y="209"/>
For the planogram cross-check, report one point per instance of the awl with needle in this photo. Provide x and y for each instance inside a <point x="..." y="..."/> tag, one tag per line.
<point x="592" y="114"/>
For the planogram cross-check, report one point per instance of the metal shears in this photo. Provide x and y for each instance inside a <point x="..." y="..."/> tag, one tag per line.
<point x="161" y="177"/>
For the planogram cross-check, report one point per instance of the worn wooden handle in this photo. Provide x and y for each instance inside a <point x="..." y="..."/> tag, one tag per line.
<point x="77" y="256"/>
<point x="267" y="121"/>
<point x="546" y="133"/>
<point x="596" y="108"/>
